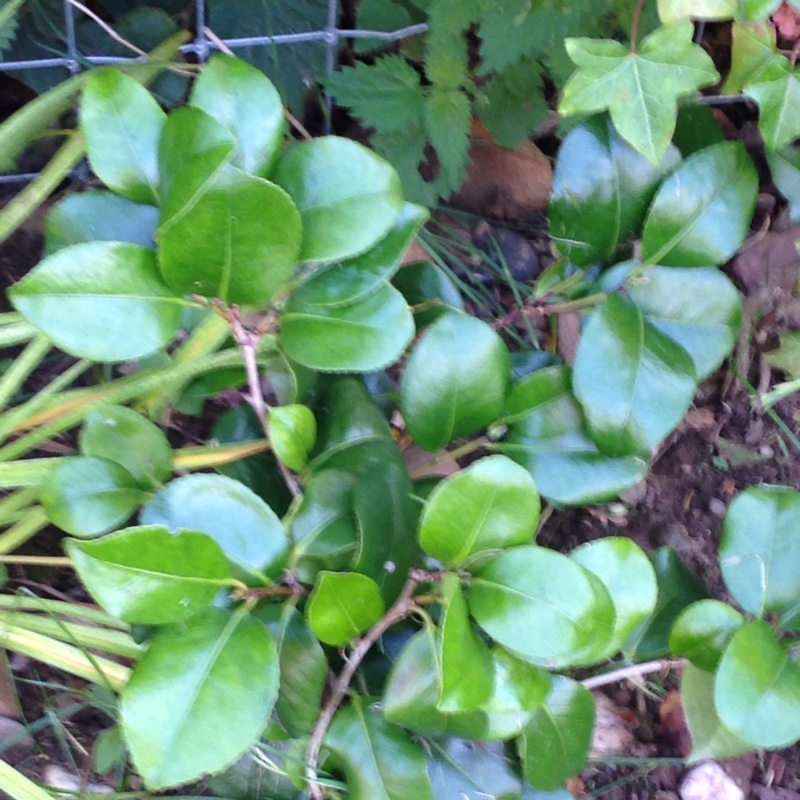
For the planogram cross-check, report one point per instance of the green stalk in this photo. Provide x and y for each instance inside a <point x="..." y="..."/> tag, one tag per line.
<point x="28" y="473"/>
<point x="16" y="332"/>
<point x="16" y="502"/>
<point x="24" y="364"/>
<point x="17" y="603"/>
<point x="18" y="787"/>
<point x="25" y="529"/>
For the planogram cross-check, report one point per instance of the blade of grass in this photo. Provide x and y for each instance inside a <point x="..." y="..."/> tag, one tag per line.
<point x="16" y="502"/>
<point x="24" y="364"/>
<point x="17" y="786"/>
<point x="63" y="609"/>
<point x="23" y="530"/>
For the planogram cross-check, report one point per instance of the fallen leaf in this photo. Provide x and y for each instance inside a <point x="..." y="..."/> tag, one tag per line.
<point x="787" y="21"/>
<point x="673" y="724"/>
<point x="772" y="261"/>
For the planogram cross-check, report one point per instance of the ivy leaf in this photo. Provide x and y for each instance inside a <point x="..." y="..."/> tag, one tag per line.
<point x="777" y="92"/>
<point x="448" y="116"/>
<point x="752" y="51"/>
<point x="639" y="89"/>
<point x="670" y="10"/>
<point x="785" y="169"/>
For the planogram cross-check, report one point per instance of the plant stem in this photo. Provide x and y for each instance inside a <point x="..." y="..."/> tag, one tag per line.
<point x="16" y="603"/>
<point x="633" y="671"/>
<point x="401" y="608"/>
<point x="17" y="501"/>
<point x="24" y="364"/>
<point x="37" y="561"/>
<point x="449" y="455"/>
<point x="25" y="529"/>
<point x="637" y="13"/>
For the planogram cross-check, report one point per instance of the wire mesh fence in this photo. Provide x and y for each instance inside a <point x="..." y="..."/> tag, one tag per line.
<point x="201" y="47"/>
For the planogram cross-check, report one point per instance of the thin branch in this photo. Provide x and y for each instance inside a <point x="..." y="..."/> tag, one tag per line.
<point x="633" y="671"/>
<point x="107" y="28"/>
<point x="637" y="13"/>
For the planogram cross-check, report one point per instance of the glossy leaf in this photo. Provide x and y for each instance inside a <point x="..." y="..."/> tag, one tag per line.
<point x="379" y="760"/>
<point x="701" y="214"/>
<point x="348" y="197"/>
<point x="303" y="667"/>
<point x="104" y="301"/>
<point x="556" y="741"/>
<point x="640" y="90"/>
<point x="149" y="576"/>
<point x="99" y="216"/>
<point x="364" y="336"/>
<point x="542" y="606"/>
<point x="785" y="170"/>
<point x="292" y="433"/>
<point x="467" y="674"/>
<point x="628" y="575"/>
<point x="702" y="631"/>
<point x="244" y="526"/>
<point x="601" y="190"/>
<point x="89" y="496"/>
<point x="633" y="407"/>
<point x="228" y="670"/>
<point x="454" y="382"/>
<point x="131" y="440"/>
<point x="710" y="738"/>
<point x="492" y="504"/>
<point x="757" y="690"/>
<point x="122" y="124"/>
<point x="753" y="49"/>
<point x="428" y="291"/>
<point x="239" y="240"/>
<point x="244" y="100"/>
<point x="546" y="435"/>
<point x="698" y="308"/>
<point x="342" y="606"/>
<point x="777" y="91"/>
<point x="760" y="549"/>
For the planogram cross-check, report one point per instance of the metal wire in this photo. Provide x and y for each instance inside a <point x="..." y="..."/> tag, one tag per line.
<point x="202" y="47"/>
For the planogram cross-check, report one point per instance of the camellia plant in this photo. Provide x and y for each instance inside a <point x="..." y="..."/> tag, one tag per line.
<point x="331" y="624"/>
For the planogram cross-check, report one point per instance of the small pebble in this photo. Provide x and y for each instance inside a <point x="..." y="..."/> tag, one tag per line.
<point x="708" y="781"/>
<point x="717" y="507"/>
<point x="11" y="730"/>
<point x="57" y="777"/>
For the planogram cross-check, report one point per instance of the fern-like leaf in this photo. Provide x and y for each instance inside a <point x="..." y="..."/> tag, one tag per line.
<point x="448" y="116"/>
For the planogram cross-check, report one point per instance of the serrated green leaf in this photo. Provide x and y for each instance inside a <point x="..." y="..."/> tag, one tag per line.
<point x="342" y="606"/>
<point x="149" y="576"/>
<point x="753" y="49"/>
<point x="776" y="89"/>
<point x="640" y="90"/>
<point x="448" y="115"/>
<point x="702" y="632"/>
<point x="379" y="15"/>
<point x="292" y="433"/>
<point x="405" y="150"/>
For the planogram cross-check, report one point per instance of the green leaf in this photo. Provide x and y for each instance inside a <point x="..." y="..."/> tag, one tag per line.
<point x="122" y="124"/>
<point x="776" y="89"/>
<point x="492" y="504"/>
<point x="448" y="115"/>
<point x="555" y="743"/>
<point x="639" y="89"/>
<point x="243" y="99"/>
<point x="379" y="760"/>
<point x="303" y="667"/>
<point x="364" y="336"/>
<point x="631" y="408"/>
<point x="89" y="496"/>
<point x="628" y="575"/>
<point x="454" y="382"/>
<point x="785" y="170"/>
<point x="132" y="441"/>
<point x="194" y="679"/>
<point x="99" y="216"/>
<point x="243" y="525"/>
<point x="542" y="606"/>
<point x="149" y="576"/>
<point x="698" y="308"/>
<point x="601" y="190"/>
<point x="546" y="436"/>
<point x="342" y="606"/>
<point x="702" y="632"/>
<point x="239" y="241"/>
<point x="787" y="356"/>
<point x="386" y="95"/>
<point x="760" y="550"/>
<point x="292" y="433"/>
<point x="670" y="10"/>
<point x="467" y="671"/>
<point x="103" y="301"/>
<point x="701" y="214"/>
<point x="379" y="15"/>
<point x="757" y="690"/>
<point x="348" y="197"/>
<point x="752" y="51"/>
<point x="429" y="292"/>
<point x="710" y="738"/>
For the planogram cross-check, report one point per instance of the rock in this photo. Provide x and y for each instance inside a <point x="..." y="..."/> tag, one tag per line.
<point x="709" y="781"/>
<point x="56" y="777"/>
<point x="612" y="729"/>
<point x="15" y="735"/>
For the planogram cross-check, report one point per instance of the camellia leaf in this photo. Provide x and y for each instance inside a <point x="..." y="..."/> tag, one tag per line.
<point x="554" y="744"/>
<point x="104" y="301"/>
<point x="228" y="670"/>
<point x="244" y="100"/>
<point x="292" y="433"/>
<point x="546" y="436"/>
<point x="364" y="336"/>
<point x="122" y="124"/>
<point x="785" y="170"/>
<point x="492" y="504"/>
<point x="702" y="212"/>
<point x="640" y="89"/>
<point x="757" y="690"/>
<point x="454" y="382"/>
<point x="120" y="434"/>
<point x="542" y="606"/>
<point x="99" y="216"/>
<point x="149" y="576"/>
<point x="379" y="760"/>
<point x="710" y="738"/>
<point x="633" y="407"/>
<point x="245" y="527"/>
<point x="601" y="190"/>
<point x="429" y="292"/>
<point x="348" y="197"/>
<point x="777" y="91"/>
<point x="760" y="549"/>
<point x="702" y="632"/>
<point x="342" y="606"/>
